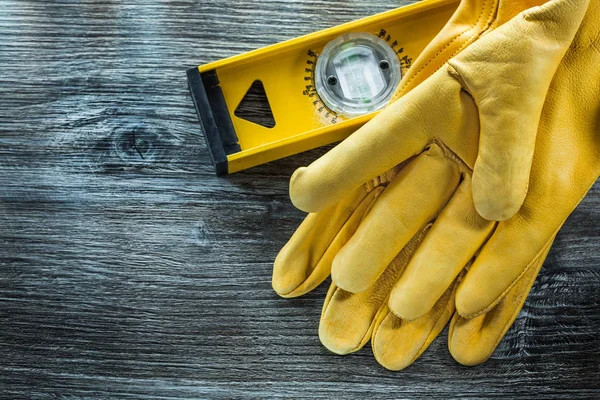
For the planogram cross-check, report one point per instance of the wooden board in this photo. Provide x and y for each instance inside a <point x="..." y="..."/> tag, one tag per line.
<point x="128" y="270"/>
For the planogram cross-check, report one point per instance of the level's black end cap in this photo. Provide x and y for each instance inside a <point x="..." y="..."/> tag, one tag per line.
<point x="214" y="117"/>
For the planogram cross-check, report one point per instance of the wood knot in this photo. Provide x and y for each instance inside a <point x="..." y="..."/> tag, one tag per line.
<point x="135" y="144"/>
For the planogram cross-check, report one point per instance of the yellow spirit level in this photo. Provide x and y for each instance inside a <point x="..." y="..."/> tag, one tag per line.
<point x="310" y="107"/>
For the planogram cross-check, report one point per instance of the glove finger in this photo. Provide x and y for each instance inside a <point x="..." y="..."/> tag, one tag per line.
<point x="411" y="200"/>
<point x="397" y="343"/>
<point x="436" y="108"/>
<point x="347" y="318"/>
<point x="454" y="239"/>
<point x="510" y="115"/>
<point x="470" y="20"/>
<point x="515" y="244"/>
<point x="305" y="261"/>
<point x="564" y="169"/>
<point x="472" y="341"/>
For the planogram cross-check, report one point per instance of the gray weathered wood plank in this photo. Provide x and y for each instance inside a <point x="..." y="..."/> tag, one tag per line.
<point x="127" y="269"/>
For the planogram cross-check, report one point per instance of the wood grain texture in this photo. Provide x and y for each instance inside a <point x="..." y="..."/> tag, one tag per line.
<point x="128" y="270"/>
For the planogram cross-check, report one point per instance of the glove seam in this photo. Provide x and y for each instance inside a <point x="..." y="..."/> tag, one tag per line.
<point x="462" y="166"/>
<point x="595" y="45"/>
<point x="422" y="348"/>
<point x="514" y="281"/>
<point x="426" y="342"/>
<point x="454" y="39"/>
<point x="455" y="73"/>
<point x="507" y="325"/>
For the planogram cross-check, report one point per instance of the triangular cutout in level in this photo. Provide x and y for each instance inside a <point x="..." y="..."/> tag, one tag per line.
<point x="255" y="106"/>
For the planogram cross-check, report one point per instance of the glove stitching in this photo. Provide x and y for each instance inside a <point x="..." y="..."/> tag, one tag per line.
<point x="333" y="289"/>
<point x="595" y="45"/>
<point x="455" y="38"/>
<point x="518" y="310"/>
<point x="501" y="296"/>
<point x="463" y="166"/>
<point x="506" y="326"/>
<point x="426" y="343"/>
<point x="514" y="281"/>
<point x="448" y="153"/>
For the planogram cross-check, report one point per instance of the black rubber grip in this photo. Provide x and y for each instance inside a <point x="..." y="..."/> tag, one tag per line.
<point x="214" y="117"/>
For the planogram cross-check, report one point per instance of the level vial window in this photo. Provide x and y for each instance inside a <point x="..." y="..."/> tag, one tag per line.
<point x="357" y="73"/>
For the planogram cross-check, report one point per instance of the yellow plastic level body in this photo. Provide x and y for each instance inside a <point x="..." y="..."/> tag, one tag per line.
<point x="302" y="121"/>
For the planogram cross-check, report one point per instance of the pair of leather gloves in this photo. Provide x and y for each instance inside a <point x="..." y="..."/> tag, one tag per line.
<point x="444" y="206"/>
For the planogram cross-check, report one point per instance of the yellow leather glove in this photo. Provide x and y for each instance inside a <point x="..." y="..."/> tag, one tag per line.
<point x="438" y="120"/>
<point x="306" y="260"/>
<point x="566" y="164"/>
<point x="349" y="320"/>
<point x="471" y="20"/>
<point x="495" y="87"/>
<point x="395" y="342"/>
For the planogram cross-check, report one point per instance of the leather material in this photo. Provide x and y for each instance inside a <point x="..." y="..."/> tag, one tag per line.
<point x="429" y="181"/>
<point x="565" y="165"/>
<point x="427" y="269"/>
<point x="519" y="59"/>
<point x="472" y="19"/>
<point x="471" y="341"/>
<point x="306" y="259"/>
